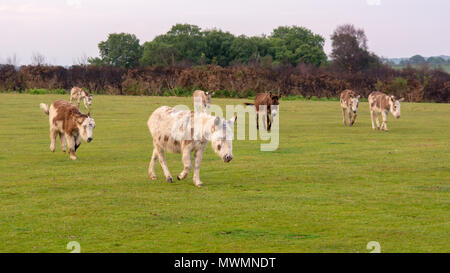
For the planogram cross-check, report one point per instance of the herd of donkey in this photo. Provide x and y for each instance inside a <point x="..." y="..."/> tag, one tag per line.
<point x="176" y="131"/>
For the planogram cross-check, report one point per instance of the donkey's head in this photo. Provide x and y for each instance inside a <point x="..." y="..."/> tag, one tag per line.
<point x="86" y="126"/>
<point x="88" y="99"/>
<point x="222" y="137"/>
<point x="354" y="101"/>
<point x="274" y="103"/>
<point x="208" y="96"/>
<point x="394" y="105"/>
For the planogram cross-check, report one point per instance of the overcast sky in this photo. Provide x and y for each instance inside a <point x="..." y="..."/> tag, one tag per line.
<point x="64" y="30"/>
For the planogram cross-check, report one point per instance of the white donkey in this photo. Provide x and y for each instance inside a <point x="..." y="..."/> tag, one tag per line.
<point x="184" y="132"/>
<point x="202" y="100"/>
<point x="382" y="103"/>
<point x="349" y="101"/>
<point x="79" y="94"/>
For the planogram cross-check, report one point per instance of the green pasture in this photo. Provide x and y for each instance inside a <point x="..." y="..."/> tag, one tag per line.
<point x="327" y="188"/>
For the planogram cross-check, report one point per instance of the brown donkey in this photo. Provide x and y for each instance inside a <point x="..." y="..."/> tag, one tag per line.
<point x="270" y="107"/>
<point x="70" y="124"/>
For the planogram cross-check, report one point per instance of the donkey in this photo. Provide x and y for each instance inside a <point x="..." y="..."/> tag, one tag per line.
<point x="202" y="99"/>
<point x="78" y="94"/>
<point x="70" y="124"/>
<point x="382" y="103"/>
<point x="185" y="132"/>
<point x="349" y="101"/>
<point x="270" y="109"/>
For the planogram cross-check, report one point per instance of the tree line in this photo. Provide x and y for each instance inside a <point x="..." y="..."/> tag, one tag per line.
<point x="187" y="44"/>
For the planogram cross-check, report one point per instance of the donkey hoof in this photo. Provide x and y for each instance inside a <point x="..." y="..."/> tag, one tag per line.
<point x="199" y="185"/>
<point x="152" y="177"/>
<point x="178" y="177"/>
<point x="170" y="180"/>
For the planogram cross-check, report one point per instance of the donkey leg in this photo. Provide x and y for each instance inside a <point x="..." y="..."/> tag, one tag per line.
<point x="186" y="158"/>
<point x="371" y="118"/>
<point x="77" y="142"/>
<point x="151" y="166"/>
<point x="52" y="139"/>
<point x="162" y="161"/>
<point x="198" y="156"/>
<point x="349" y="117"/>
<point x="269" y="121"/>
<point x="376" y="120"/>
<point x="62" y="140"/>
<point x="384" y="124"/>
<point x="343" y="117"/>
<point x="71" y="146"/>
<point x="354" y="119"/>
<point x="257" y="120"/>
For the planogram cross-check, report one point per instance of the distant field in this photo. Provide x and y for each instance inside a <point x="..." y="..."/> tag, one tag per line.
<point x="328" y="188"/>
<point x="445" y="67"/>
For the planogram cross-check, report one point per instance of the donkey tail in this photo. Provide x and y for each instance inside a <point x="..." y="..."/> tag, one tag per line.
<point x="44" y="107"/>
<point x="248" y="103"/>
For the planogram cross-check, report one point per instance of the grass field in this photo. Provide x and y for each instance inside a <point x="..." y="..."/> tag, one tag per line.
<point x="328" y="188"/>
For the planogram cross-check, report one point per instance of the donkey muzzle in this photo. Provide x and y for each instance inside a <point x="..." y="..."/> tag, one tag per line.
<point x="227" y="158"/>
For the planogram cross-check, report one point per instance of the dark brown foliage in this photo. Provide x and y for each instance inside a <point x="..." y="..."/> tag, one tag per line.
<point x="413" y="84"/>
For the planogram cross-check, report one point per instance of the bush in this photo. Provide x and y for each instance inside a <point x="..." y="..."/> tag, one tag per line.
<point x="40" y="91"/>
<point x="238" y="81"/>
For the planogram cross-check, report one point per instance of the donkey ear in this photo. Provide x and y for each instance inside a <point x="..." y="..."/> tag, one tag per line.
<point x="89" y="114"/>
<point x="402" y="99"/>
<point x="233" y="120"/>
<point x="217" y="121"/>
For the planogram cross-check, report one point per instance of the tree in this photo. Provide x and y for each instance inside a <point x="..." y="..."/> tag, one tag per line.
<point x="297" y="44"/>
<point x="158" y="52"/>
<point x="38" y="59"/>
<point x="82" y="60"/>
<point x="417" y="59"/>
<point x="13" y="60"/>
<point x="183" y="42"/>
<point x="349" y="49"/>
<point x="436" y="60"/>
<point x="243" y="49"/>
<point x="121" y="50"/>
<point x="95" y="61"/>
<point x="218" y="47"/>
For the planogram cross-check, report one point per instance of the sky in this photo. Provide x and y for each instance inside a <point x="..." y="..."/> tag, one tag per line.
<point x="65" y="30"/>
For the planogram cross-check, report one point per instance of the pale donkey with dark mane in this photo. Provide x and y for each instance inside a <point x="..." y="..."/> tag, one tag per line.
<point x="186" y="132"/>
<point x="349" y="102"/>
<point x="79" y="94"/>
<point x="382" y="103"/>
